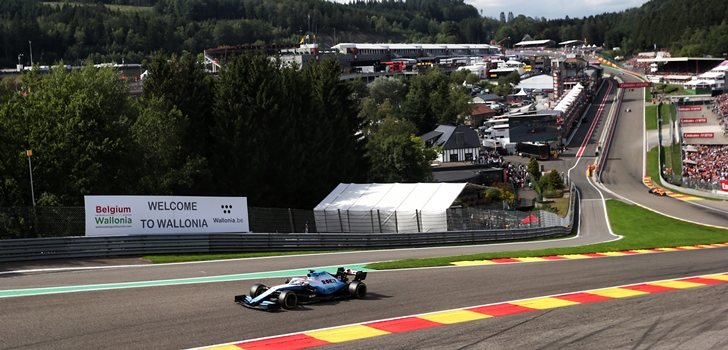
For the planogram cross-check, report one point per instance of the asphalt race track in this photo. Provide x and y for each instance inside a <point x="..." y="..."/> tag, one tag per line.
<point x="184" y="316"/>
<point x="203" y="314"/>
<point x="623" y="171"/>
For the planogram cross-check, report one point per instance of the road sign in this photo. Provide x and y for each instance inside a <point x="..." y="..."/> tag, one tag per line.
<point x="640" y="84"/>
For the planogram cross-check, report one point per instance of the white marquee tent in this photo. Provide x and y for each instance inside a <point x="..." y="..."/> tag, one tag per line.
<point x="396" y="207"/>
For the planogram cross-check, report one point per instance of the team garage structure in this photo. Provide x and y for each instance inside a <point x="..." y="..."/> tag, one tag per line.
<point x="390" y="208"/>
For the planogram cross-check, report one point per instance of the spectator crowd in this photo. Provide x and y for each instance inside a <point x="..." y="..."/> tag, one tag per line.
<point x="490" y="158"/>
<point x="516" y="174"/>
<point x="705" y="166"/>
<point x="720" y="108"/>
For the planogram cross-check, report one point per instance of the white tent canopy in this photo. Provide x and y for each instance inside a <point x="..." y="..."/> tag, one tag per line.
<point x="410" y="207"/>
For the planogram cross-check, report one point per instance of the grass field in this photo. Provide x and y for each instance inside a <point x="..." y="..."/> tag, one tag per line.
<point x="640" y="227"/>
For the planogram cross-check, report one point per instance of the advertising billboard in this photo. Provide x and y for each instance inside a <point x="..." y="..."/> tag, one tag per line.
<point x="142" y="215"/>
<point x="689" y="108"/>
<point x="640" y="84"/>
<point x="534" y="128"/>
<point x="693" y="120"/>
<point x="698" y="135"/>
<point x="724" y="185"/>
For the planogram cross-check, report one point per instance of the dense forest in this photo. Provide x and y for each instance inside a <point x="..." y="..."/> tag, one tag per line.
<point x="281" y="136"/>
<point x="108" y="30"/>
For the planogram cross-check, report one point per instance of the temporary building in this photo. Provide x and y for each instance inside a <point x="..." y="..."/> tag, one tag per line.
<point x="394" y="207"/>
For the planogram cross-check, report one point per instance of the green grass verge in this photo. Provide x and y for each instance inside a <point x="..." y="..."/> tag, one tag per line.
<point x="173" y="258"/>
<point x="677" y="162"/>
<point x="651" y="117"/>
<point x="640" y="227"/>
<point x="561" y="205"/>
<point x="653" y="166"/>
<point x="668" y="112"/>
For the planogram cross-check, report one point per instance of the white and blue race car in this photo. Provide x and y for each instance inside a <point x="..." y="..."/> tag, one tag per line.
<point x="316" y="286"/>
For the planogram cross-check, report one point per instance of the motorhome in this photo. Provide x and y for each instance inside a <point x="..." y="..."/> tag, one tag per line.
<point x="496" y="132"/>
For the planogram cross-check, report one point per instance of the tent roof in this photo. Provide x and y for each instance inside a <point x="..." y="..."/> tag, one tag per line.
<point x="430" y="197"/>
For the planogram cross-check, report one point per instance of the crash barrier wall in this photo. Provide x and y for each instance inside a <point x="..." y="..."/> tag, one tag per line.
<point x="22" y="222"/>
<point x="85" y="247"/>
<point x="605" y="140"/>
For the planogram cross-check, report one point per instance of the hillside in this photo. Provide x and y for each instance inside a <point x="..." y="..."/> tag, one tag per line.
<point x="133" y="29"/>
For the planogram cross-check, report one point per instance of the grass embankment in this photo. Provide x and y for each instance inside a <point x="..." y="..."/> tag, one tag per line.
<point x="173" y="258"/>
<point x="640" y="227"/>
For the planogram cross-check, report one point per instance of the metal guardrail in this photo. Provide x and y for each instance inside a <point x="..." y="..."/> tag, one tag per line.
<point x="84" y="247"/>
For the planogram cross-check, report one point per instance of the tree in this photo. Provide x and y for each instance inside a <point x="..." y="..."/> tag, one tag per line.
<point x="180" y="84"/>
<point x="388" y="88"/>
<point x="159" y="135"/>
<point x="507" y="83"/>
<point x="397" y="155"/>
<point x="552" y="181"/>
<point x="533" y="168"/>
<point x="433" y="99"/>
<point x="77" y="123"/>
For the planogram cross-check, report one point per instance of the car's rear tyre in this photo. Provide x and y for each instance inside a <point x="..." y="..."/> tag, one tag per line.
<point x="358" y="289"/>
<point x="288" y="299"/>
<point x="257" y="289"/>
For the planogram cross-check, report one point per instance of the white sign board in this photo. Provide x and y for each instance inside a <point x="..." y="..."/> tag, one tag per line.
<point x="141" y="215"/>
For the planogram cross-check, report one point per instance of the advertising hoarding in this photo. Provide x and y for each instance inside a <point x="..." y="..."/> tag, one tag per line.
<point x="724" y="185"/>
<point x="142" y="215"/>
<point x="640" y="84"/>
<point x="693" y="120"/>
<point x="689" y="108"/>
<point x="698" y="135"/>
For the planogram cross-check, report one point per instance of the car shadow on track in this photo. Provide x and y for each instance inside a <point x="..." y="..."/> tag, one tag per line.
<point x="371" y="297"/>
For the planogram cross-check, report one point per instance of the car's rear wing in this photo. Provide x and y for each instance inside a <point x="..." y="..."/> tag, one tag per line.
<point x="358" y="275"/>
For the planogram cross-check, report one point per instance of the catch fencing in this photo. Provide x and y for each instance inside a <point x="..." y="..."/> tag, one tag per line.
<point x="41" y="222"/>
<point x="57" y="233"/>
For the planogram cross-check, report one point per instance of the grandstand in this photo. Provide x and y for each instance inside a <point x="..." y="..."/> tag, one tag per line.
<point x="535" y="44"/>
<point x="675" y="70"/>
<point x="704" y="130"/>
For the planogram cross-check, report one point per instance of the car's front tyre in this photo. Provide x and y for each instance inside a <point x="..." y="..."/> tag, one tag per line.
<point x="257" y="289"/>
<point x="288" y="299"/>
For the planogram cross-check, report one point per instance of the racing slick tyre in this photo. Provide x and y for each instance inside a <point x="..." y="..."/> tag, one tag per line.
<point x="287" y="299"/>
<point x="257" y="289"/>
<point x="358" y="289"/>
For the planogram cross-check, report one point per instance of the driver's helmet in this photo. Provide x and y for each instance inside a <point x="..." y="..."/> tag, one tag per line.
<point x="298" y="281"/>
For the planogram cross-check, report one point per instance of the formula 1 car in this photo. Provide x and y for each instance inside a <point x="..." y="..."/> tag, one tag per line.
<point x="316" y="286"/>
<point x="657" y="191"/>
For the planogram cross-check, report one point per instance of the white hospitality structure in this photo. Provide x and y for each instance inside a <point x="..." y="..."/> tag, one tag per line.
<point x="390" y="208"/>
